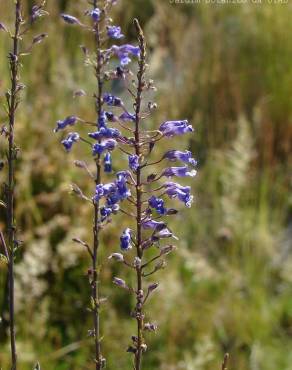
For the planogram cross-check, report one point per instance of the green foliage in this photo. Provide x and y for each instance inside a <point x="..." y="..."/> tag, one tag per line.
<point x="228" y="287"/>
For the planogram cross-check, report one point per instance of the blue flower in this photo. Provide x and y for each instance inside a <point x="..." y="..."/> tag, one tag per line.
<point x="105" y="212"/>
<point x="121" y="183"/>
<point x="102" y="119"/>
<point x="112" y="100"/>
<point x="172" y="128"/>
<point x="107" y="161"/>
<point x="111" y="117"/>
<point x="152" y="224"/>
<point x="109" y="188"/>
<point x="72" y="138"/>
<point x="174" y="190"/>
<point x="125" y="116"/>
<point x="178" y="171"/>
<point x="114" y="32"/>
<point x="112" y="199"/>
<point x="70" y="19"/>
<point x="123" y="52"/>
<point x="94" y="14"/>
<point x="36" y="12"/>
<point x="125" y="240"/>
<point x="99" y="148"/>
<point x="68" y="121"/>
<point x="99" y="192"/>
<point x="133" y="162"/>
<point x="185" y="156"/>
<point x="157" y="204"/>
<point x="105" y="132"/>
<point x="163" y="234"/>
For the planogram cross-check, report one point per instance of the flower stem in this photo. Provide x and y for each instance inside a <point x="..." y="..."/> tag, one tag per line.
<point x="138" y="102"/>
<point x="12" y="107"/>
<point x="95" y="272"/>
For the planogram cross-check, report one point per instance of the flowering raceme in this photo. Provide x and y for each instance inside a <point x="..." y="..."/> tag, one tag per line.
<point x="102" y="139"/>
<point x="146" y="194"/>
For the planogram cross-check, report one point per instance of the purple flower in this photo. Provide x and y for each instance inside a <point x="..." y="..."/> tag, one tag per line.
<point x="157" y="204"/>
<point x="172" y="128"/>
<point x="123" y="175"/>
<point x="178" y="171"/>
<point x="102" y="119"/>
<point x="99" y="192"/>
<point x="94" y="14"/>
<point x="133" y="162"/>
<point x="109" y="188"/>
<point x="105" y="132"/>
<point x="37" y="12"/>
<point x="70" y="19"/>
<point x="112" y="100"/>
<point x="121" y="183"/>
<point x="174" y="190"/>
<point x="152" y="224"/>
<point x="163" y="234"/>
<point x="99" y="148"/>
<point x="107" y="161"/>
<point x="114" y="32"/>
<point x="125" y="116"/>
<point x="123" y="52"/>
<point x="111" y="117"/>
<point x="120" y="282"/>
<point x="72" y="138"/>
<point x="125" y="240"/>
<point x="185" y="156"/>
<point x="113" y="199"/>
<point x="68" y="121"/>
<point x="105" y="212"/>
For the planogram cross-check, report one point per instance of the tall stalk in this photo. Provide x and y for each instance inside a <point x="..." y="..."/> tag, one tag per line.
<point x="12" y="152"/>
<point x="138" y="101"/>
<point x="13" y="100"/>
<point x="150" y="230"/>
<point x="101" y="142"/>
<point x="95" y="281"/>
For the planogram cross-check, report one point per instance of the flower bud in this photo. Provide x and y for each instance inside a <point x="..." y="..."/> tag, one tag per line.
<point x="160" y="265"/>
<point x="117" y="257"/>
<point x="150" y="326"/>
<point x="167" y="249"/>
<point x="152" y="287"/>
<point x="120" y="282"/>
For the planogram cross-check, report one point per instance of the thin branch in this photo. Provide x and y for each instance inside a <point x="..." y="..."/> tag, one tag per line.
<point x="4" y="246"/>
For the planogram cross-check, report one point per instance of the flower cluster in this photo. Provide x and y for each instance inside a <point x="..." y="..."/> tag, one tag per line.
<point x="144" y="193"/>
<point x="104" y="135"/>
<point x="150" y="195"/>
<point x="112" y="194"/>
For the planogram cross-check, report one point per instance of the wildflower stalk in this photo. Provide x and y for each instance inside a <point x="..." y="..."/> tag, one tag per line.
<point x="12" y="152"/>
<point x="102" y="142"/>
<point x="149" y="231"/>
<point x="138" y="101"/>
<point x="95" y="272"/>
<point x="12" y="99"/>
<point x="108" y="196"/>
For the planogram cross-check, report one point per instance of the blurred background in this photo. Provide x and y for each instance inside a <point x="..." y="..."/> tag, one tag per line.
<point x="226" y="68"/>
